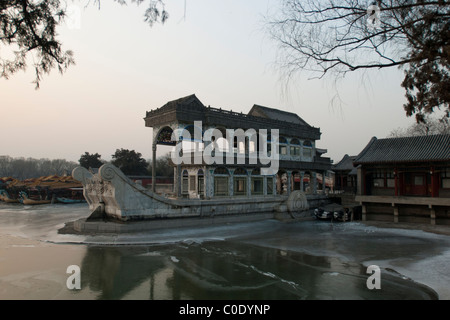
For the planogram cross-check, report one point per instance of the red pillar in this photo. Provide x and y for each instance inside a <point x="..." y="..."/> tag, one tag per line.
<point x="434" y="183"/>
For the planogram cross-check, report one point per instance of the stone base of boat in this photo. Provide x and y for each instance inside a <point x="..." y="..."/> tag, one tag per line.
<point x="119" y="205"/>
<point x="98" y="226"/>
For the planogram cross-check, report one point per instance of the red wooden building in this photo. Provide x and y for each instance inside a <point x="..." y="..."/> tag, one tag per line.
<point x="408" y="177"/>
<point x="345" y="175"/>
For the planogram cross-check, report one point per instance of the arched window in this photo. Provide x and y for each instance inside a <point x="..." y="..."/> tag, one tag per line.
<point x="222" y="143"/>
<point x="240" y="182"/>
<point x="238" y="146"/>
<point x="164" y="137"/>
<point x="307" y="149"/>
<point x="221" y="171"/>
<point x="282" y="146"/>
<point x="200" y="182"/>
<point x="185" y="183"/>
<point x="295" y="147"/>
<point x="240" y="172"/>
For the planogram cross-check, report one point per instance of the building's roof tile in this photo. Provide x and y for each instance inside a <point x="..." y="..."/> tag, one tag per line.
<point x="345" y="164"/>
<point x="406" y="149"/>
<point x="265" y="112"/>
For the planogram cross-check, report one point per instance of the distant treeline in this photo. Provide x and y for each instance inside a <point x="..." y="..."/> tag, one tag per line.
<point x="24" y="168"/>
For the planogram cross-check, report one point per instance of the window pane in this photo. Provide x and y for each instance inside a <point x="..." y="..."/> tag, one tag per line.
<point x="418" y="180"/>
<point x="391" y="183"/>
<point x="307" y="153"/>
<point x="185" y="185"/>
<point x="257" y="186"/>
<point x="201" y="182"/>
<point x="307" y="143"/>
<point x="446" y="183"/>
<point x="269" y="185"/>
<point x="378" y="183"/>
<point x="240" y="186"/>
<point x="221" y="186"/>
<point x="191" y="183"/>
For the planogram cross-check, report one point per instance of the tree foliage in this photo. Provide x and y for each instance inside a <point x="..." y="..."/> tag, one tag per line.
<point x="24" y="168"/>
<point x="28" y="30"/>
<point x="130" y="162"/>
<point x="162" y="166"/>
<point x="341" y="36"/>
<point x="88" y="160"/>
<point x="429" y="127"/>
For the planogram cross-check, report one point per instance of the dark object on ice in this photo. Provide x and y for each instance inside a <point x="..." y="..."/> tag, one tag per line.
<point x="334" y="211"/>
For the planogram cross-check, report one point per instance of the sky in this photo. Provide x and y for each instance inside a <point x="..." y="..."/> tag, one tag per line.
<point x="215" y="49"/>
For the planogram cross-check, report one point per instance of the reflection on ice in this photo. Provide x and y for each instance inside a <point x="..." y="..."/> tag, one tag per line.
<point x="190" y="272"/>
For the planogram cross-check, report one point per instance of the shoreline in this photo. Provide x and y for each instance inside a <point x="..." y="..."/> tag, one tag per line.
<point x="69" y="228"/>
<point x="418" y="271"/>
<point x="436" y="229"/>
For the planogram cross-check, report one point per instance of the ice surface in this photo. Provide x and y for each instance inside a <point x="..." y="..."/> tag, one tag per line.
<point x="266" y="259"/>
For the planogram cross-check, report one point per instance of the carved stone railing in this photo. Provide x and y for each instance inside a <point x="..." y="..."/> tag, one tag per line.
<point x="110" y="194"/>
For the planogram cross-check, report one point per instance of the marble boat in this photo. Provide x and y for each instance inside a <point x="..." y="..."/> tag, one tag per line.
<point x="113" y="197"/>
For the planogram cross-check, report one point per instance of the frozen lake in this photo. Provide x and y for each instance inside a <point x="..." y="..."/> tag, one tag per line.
<point x="259" y="260"/>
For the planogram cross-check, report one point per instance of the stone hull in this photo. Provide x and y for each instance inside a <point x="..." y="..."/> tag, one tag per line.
<point x="112" y="196"/>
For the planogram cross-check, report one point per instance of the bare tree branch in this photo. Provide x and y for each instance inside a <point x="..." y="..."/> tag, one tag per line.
<point x="28" y="28"/>
<point x="339" y="36"/>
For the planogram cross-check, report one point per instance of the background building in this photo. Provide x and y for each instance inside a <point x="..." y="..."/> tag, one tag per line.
<point x="345" y="175"/>
<point x="405" y="179"/>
